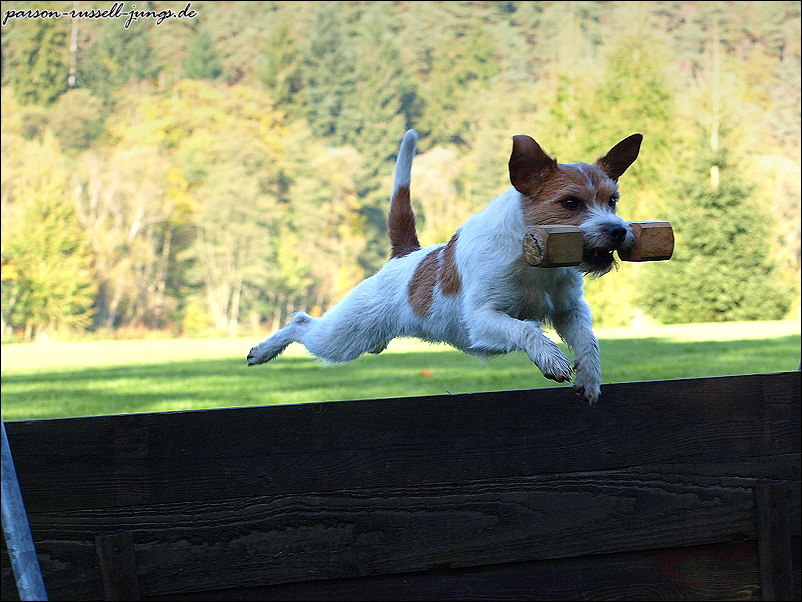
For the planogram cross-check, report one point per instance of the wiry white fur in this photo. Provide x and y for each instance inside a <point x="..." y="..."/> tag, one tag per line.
<point x="403" y="164"/>
<point x="499" y="308"/>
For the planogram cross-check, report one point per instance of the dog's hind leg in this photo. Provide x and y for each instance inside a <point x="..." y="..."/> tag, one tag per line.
<point x="341" y="335"/>
<point x="336" y="337"/>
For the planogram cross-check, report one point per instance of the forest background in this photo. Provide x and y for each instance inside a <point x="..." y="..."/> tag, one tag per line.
<point x="214" y="173"/>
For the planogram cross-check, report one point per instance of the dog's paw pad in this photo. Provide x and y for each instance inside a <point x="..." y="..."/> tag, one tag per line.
<point x="560" y="377"/>
<point x="587" y="382"/>
<point x="586" y="394"/>
<point x="254" y="357"/>
<point x="557" y="368"/>
<point x="261" y="354"/>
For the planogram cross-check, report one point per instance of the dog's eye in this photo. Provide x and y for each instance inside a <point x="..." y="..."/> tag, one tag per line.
<point x="613" y="201"/>
<point x="571" y="203"/>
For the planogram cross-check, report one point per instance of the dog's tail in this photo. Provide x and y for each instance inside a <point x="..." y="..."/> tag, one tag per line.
<point x="401" y="221"/>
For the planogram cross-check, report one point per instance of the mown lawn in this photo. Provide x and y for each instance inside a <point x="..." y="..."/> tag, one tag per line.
<point x="51" y="380"/>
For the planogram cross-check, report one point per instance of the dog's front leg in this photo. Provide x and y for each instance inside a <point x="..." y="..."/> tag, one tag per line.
<point x="575" y="326"/>
<point x="494" y="331"/>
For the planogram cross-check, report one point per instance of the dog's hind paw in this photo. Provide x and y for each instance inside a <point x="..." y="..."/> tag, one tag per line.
<point x="254" y="357"/>
<point x="378" y="348"/>
<point x="262" y="353"/>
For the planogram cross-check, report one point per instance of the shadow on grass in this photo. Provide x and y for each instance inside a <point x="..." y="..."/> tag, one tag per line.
<point x="229" y="382"/>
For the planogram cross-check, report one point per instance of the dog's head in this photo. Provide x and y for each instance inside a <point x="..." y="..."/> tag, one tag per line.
<point x="577" y="194"/>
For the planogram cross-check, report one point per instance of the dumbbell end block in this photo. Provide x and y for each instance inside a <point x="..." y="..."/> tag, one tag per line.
<point x="654" y="241"/>
<point x="553" y="246"/>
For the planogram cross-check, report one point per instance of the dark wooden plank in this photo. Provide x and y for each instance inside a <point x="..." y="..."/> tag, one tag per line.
<point x="786" y="416"/>
<point x="712" y="572"/>
<point x="360" y="488"/>
<point x="773" y="509"/>
<point x="206" y="545"/>
<point x="172" y="457"/>
<point x="117" y="566"/>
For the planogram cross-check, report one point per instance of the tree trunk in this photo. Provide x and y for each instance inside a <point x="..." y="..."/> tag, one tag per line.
<point x="276" y="318"/>
<point x="233" y="310"/>
<point x="111" y="315"/>
<point x="164" y="260"/>
<point x="716" y="119"/>
<point x="72" y="82"/>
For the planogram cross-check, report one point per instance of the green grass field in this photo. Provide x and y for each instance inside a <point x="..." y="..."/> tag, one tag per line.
<point x="52" y="380"/>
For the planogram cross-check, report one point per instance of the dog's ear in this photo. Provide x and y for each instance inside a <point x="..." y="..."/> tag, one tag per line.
<point x="621" y="156"/>
<point x="529" y="165"/>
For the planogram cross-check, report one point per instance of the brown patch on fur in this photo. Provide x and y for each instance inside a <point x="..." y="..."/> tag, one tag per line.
<point x="450" y="282"/>
<point x="586" y="183"/>
<point x="401" y="224"/>
<point x="438" y="267"/>
<point x="421" y="287"/>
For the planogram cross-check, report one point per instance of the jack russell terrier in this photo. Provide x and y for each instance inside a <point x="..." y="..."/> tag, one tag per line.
<point x="477" y="292"/>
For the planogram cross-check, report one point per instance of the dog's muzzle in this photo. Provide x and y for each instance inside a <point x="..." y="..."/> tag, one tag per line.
<point x="599" y="257"/>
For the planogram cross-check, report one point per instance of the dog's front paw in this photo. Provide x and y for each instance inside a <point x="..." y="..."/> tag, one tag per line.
<point x="587" y="383"/>
<point x="552" y="362"/>
<point x="588" y="395"/>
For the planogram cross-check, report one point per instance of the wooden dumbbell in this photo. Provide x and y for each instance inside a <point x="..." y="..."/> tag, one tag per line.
<point x="560" y="246"/>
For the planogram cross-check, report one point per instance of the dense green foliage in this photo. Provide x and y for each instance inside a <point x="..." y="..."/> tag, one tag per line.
<point x="722" y="268"/>
<point x="48" y="283"/>
<point x="220" y="171"/>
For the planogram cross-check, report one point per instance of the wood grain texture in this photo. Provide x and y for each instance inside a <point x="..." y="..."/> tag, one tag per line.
<point x="711" y="572"/>
<point x="370" y="532"/>
<point x="654" y="241"/>
<point x="774" y="539"/>
<point x="553" y="246"/>
<point x="117" y="566"/>
<point x="112" y="461"/>
<point x="254" y="497"/>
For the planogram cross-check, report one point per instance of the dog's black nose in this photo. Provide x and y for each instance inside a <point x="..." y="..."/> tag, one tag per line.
<point x="617" y="234"/>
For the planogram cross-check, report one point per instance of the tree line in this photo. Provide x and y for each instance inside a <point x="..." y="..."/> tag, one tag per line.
<point x="217" y="173"/>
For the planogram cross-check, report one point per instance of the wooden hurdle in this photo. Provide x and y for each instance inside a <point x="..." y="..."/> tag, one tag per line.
<point x="682" y="489"/>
